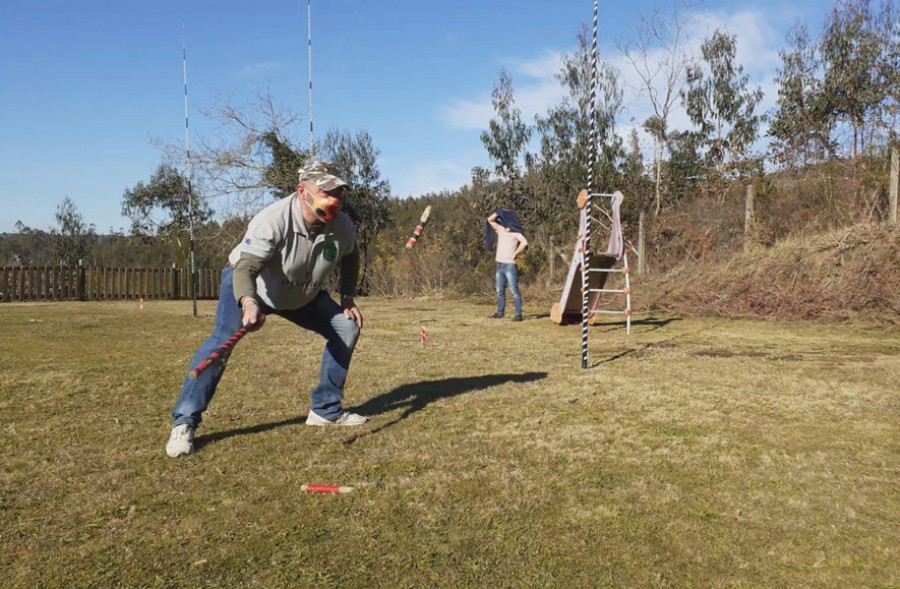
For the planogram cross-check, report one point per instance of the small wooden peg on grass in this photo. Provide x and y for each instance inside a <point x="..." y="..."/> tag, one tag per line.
<point x="325" y="489"/>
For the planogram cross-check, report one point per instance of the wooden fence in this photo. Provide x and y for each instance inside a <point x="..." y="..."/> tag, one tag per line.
<point x="95" y="283"/>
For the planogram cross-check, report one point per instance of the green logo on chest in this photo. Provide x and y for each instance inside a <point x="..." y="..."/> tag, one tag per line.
<point x="330" y="251"/>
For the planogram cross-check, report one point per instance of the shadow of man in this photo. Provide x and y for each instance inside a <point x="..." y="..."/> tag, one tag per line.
<point x="413" y="397"/>
<point x="201" y="441"/>
<point x="416" y="396"/>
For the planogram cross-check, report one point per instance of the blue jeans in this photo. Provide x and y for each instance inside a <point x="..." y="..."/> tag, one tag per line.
<point x="508" y="273"/>
<point x="321" y="315"/>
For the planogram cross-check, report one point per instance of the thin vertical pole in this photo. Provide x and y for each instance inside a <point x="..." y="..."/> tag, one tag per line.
<point x="641" y="243"/>
<point x="187" y="149"/>
<point x="586" y="243"/>
<point x="312" y="138"/>
<point x="4" y="284"/>
<point x="552" y="254"/>
<point x="895" y="170"/>
<point x="627" y="274"/>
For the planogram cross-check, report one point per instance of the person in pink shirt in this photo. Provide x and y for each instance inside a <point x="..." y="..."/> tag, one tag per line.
<point x="511" y="242"/>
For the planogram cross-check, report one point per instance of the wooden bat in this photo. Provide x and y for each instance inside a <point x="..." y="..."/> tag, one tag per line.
<point x="219" y="354"/>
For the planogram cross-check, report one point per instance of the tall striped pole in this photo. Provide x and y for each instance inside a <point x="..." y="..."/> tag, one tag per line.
<point x="312" y="138"/>
<point x="187" y="148"/>
<point x="586" y="240"/>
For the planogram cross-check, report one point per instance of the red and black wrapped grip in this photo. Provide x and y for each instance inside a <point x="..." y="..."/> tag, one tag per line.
<point x="219" y="354"/>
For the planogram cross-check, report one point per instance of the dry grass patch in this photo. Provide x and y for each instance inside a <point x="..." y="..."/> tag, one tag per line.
<point x="845" y="274"/>
<point x="705" y="453"/>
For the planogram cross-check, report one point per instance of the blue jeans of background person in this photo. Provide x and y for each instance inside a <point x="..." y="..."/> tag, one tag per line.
<point x="321" y="315"/>
<point x="508" y="274"/>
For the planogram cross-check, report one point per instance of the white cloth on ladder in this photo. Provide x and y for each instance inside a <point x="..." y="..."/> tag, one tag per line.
<point x="616" y="245"/>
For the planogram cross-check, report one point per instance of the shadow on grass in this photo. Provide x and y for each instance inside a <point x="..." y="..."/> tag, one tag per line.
<point x="414" y="397"/>
<point x="651" y="322"/>
<point x="201" y="441"/>
<point x="646" y="347"/>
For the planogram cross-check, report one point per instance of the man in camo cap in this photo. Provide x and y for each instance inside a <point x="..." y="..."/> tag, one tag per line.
<point x="279" y="267"/>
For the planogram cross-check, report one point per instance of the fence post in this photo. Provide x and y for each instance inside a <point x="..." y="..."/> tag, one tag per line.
<point x="79" y="281"/>
<point x="641" y="249"/>
<point x="748" y="216"/>
<point x="895" y="169"/>
<point x="4" y="284"/>
<point x="551" y="254"/>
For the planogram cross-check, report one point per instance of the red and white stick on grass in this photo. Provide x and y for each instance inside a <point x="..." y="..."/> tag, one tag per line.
<point x="324" y="489"/>
<point x="219" y="354"/>
<point x="422" y="338"/>
<point x="419" y="228"/>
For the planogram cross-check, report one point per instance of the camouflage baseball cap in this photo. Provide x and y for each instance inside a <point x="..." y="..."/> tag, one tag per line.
<point x="322" y="174"/>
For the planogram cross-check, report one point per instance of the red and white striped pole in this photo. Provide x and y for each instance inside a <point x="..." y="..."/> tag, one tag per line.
<point x="422" y="338"/>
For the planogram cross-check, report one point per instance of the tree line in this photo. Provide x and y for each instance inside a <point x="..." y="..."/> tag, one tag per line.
<point x="834" y="119"/>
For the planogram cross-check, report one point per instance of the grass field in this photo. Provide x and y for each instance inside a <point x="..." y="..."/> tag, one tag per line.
<point x="698" y="453"/>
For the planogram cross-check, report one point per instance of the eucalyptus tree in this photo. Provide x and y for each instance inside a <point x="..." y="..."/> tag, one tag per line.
<point x="859" y="59"/>
<point x="73" y="237"/>
<point x="660" y="55"/>
<point x="722" y="106"/>
<point x="162" y="204"/>
<point x="506" y="141"/>
<point x="356" y="159"/>
<point x="161" y="208"/>
<point x="565" y="132"/>
<point x="801" y="124"/>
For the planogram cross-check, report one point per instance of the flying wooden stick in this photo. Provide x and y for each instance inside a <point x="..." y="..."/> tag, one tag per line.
<point x="419" y="228"/>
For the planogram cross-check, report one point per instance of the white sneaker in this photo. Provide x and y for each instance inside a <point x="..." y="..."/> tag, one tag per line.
<point x="345" y="418"/>
<point x="181" y="442"/>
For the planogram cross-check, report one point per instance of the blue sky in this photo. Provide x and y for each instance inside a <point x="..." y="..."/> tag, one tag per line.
<point x="84" y="86"/>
